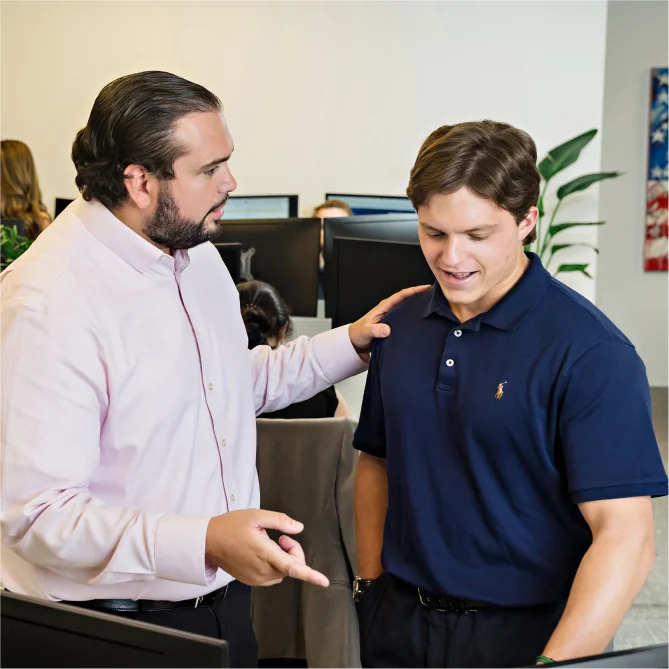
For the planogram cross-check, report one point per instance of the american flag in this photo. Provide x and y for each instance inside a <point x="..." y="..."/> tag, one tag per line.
<point x="657" y="235"/>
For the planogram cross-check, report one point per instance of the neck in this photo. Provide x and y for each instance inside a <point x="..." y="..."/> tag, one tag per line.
<point x="465" y="312"/>
<point x="132" y="219"/>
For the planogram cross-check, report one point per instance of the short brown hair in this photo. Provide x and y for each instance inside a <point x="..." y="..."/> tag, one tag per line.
<point x="493" y="160"/>
<point x="333" y="204"/>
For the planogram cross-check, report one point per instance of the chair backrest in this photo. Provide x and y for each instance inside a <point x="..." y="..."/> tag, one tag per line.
<point x="306" y="469"/>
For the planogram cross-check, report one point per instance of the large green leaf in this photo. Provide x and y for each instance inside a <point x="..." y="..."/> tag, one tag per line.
<point x="581" y="183"/>
<point x="540" y="207"/>
<point x="564" y="155"/>
<point x="574" y="268"/>
<point x="559" y="227"/>
<point x="558" y="247"/>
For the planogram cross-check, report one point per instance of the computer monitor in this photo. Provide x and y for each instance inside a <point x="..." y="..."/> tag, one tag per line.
<point x="61" y="204"/>
<point x="391" y="227"/>
<point x="370" y="270"/>
<point x="36" y="633"/>
<point x="373" y="204"/>
<point x="231" y="254"/>
<point x="647" y="656"/>
<point x="281" y="252"/>
<point x="241" y="207"/>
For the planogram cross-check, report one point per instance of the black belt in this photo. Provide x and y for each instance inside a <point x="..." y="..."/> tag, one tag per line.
<point x="146" y="605"/>
<point x="449" y="604"/>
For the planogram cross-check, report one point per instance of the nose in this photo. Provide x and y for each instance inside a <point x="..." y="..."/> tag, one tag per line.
<point x="228" y="183"/>
<point x="452" y="253"/>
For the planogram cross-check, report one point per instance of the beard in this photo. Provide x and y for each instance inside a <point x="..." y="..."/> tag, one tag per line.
<point x="170" y="229"/>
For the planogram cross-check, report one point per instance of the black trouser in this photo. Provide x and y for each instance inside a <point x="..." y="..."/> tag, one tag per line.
<point x="396" y="630"/>
<point x="228" y="618"/>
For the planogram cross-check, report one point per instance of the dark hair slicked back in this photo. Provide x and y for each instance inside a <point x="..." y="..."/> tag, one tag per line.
<point x="493" y="160"/>
<point x="132" y="122"/>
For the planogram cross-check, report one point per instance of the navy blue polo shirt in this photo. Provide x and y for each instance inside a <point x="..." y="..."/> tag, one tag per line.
<point x="494" y="430"/>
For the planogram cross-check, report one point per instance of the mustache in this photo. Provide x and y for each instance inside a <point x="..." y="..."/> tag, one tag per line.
<point x="220" y="204"/>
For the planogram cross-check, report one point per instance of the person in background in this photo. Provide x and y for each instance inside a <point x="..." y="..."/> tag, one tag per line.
<point x="502" y="498"/>
<point x="20" y="195"/>
<point x="267" y="322"/>
<point x="327" y="209"/>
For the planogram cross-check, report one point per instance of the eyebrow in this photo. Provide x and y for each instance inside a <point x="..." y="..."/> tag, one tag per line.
<point x="213" y="163"/>
<point x="484" y="227"/>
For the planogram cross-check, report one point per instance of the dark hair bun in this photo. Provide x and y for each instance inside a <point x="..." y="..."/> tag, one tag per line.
<point x="257" y="324"/>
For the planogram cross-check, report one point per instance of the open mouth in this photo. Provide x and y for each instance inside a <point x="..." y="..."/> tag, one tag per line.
<point x="458" y="278"/>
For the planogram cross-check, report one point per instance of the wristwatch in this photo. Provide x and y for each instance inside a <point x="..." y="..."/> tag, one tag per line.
<point x="359" y="586"/>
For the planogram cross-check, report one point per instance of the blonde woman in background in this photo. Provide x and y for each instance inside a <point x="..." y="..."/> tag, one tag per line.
<point x="20" y="195"/>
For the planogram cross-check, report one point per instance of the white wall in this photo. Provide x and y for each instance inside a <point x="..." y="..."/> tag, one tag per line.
<point x="635" y="300"/>
<point x="320" y="96"/>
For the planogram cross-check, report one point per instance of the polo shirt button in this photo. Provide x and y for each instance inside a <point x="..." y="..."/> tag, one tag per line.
<point x="458" y="333"/>
<point x="450" y="362"/>
<point x="232" y="498"/>
<point x="211" y="386"/>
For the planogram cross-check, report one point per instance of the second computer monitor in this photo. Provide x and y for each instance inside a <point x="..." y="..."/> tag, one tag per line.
<point x="370" y="270"/>
<point x="391" y="227"/>
<point x="240" y="207"/>
<point x="373" y="204"/>
<point x="281" y="252"/>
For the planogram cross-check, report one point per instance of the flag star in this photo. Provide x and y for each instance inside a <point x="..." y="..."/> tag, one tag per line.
<point x="658" y="136"/>
<point x="657" y="172"/>
<point x="663" y="96"/>
<point x="663" y="79"/>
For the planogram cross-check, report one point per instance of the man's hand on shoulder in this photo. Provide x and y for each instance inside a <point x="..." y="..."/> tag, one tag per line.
<point x="364" y="331"/>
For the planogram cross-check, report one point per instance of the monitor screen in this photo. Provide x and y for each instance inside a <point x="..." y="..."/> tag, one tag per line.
<point x="370" y="270"/>
<point x="61" y="204"/>
<point x="260" y="206"/>
<point x="231" y="254"/>
<point x="391" y="227"/>
<point x="37" y="633"/>
<point x="374" y="204"/>
<point x="281" y="252"/>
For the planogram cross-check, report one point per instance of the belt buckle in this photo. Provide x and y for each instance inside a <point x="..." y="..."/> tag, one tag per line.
<point x="426" y="605"/>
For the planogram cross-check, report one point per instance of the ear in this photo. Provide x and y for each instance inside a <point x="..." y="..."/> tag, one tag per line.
<point x="142" y="187"/>
<point x="527" y="224"/>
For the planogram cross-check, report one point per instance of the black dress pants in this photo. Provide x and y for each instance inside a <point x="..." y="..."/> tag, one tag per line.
<point x="396" y="630"/>
<point x="228" y="618"/>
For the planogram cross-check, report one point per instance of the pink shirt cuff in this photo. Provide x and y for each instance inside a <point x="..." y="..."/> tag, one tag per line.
<point x="336" y="355"/>
<point x="179" y="549"/>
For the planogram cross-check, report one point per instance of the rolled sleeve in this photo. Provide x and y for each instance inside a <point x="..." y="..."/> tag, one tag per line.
<point x="606" y="428"/>
<point x="180" y="547"/>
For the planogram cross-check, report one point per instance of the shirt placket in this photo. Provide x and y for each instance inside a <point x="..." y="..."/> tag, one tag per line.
<point x="211" y="393"/>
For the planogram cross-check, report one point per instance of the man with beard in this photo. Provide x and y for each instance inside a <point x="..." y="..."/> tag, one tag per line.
<point x="129" y="396"/>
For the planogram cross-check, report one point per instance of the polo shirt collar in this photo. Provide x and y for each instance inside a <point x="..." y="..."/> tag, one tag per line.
<point x="509" y="312"/>
<point x="120" y="239"/>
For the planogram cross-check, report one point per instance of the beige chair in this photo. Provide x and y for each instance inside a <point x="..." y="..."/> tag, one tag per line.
<point x="306" y="470"/>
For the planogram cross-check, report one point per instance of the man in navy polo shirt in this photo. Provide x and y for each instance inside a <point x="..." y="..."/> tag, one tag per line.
<point x="508" y="455"/>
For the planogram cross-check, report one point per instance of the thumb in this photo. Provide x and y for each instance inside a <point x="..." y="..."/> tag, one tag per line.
<point x="379" y="330"/>
<point x="272" y="520"/>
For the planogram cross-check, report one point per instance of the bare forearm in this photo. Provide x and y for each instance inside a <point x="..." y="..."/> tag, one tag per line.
<point x="608" y="580"/>
<point x="371" y="505"/>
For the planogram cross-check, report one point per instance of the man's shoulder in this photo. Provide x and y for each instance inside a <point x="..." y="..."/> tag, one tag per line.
<point x="410" y="311"/>
<point x="571" y="315"/>
<point x="48" y="270"/>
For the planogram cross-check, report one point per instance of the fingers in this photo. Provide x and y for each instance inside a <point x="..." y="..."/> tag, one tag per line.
<point x="291" y="566"/>
<point x="400" y="296"/>
<point x="292" y="547"/>
<point x="271" y="520"/>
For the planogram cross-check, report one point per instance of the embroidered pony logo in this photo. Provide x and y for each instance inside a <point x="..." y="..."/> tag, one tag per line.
<point x="500" y="391"/>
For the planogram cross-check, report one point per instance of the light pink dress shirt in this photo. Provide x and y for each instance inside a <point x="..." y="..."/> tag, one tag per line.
<point x="128" y="410"/>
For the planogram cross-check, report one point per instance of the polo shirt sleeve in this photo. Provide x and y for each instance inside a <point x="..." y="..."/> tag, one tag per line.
<point x="605" y="427"/>
<point x="370" y="435"/>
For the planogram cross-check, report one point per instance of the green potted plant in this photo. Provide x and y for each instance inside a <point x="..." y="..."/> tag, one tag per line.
<point x="558" y="159"/>
<point x="12" y="245"/>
